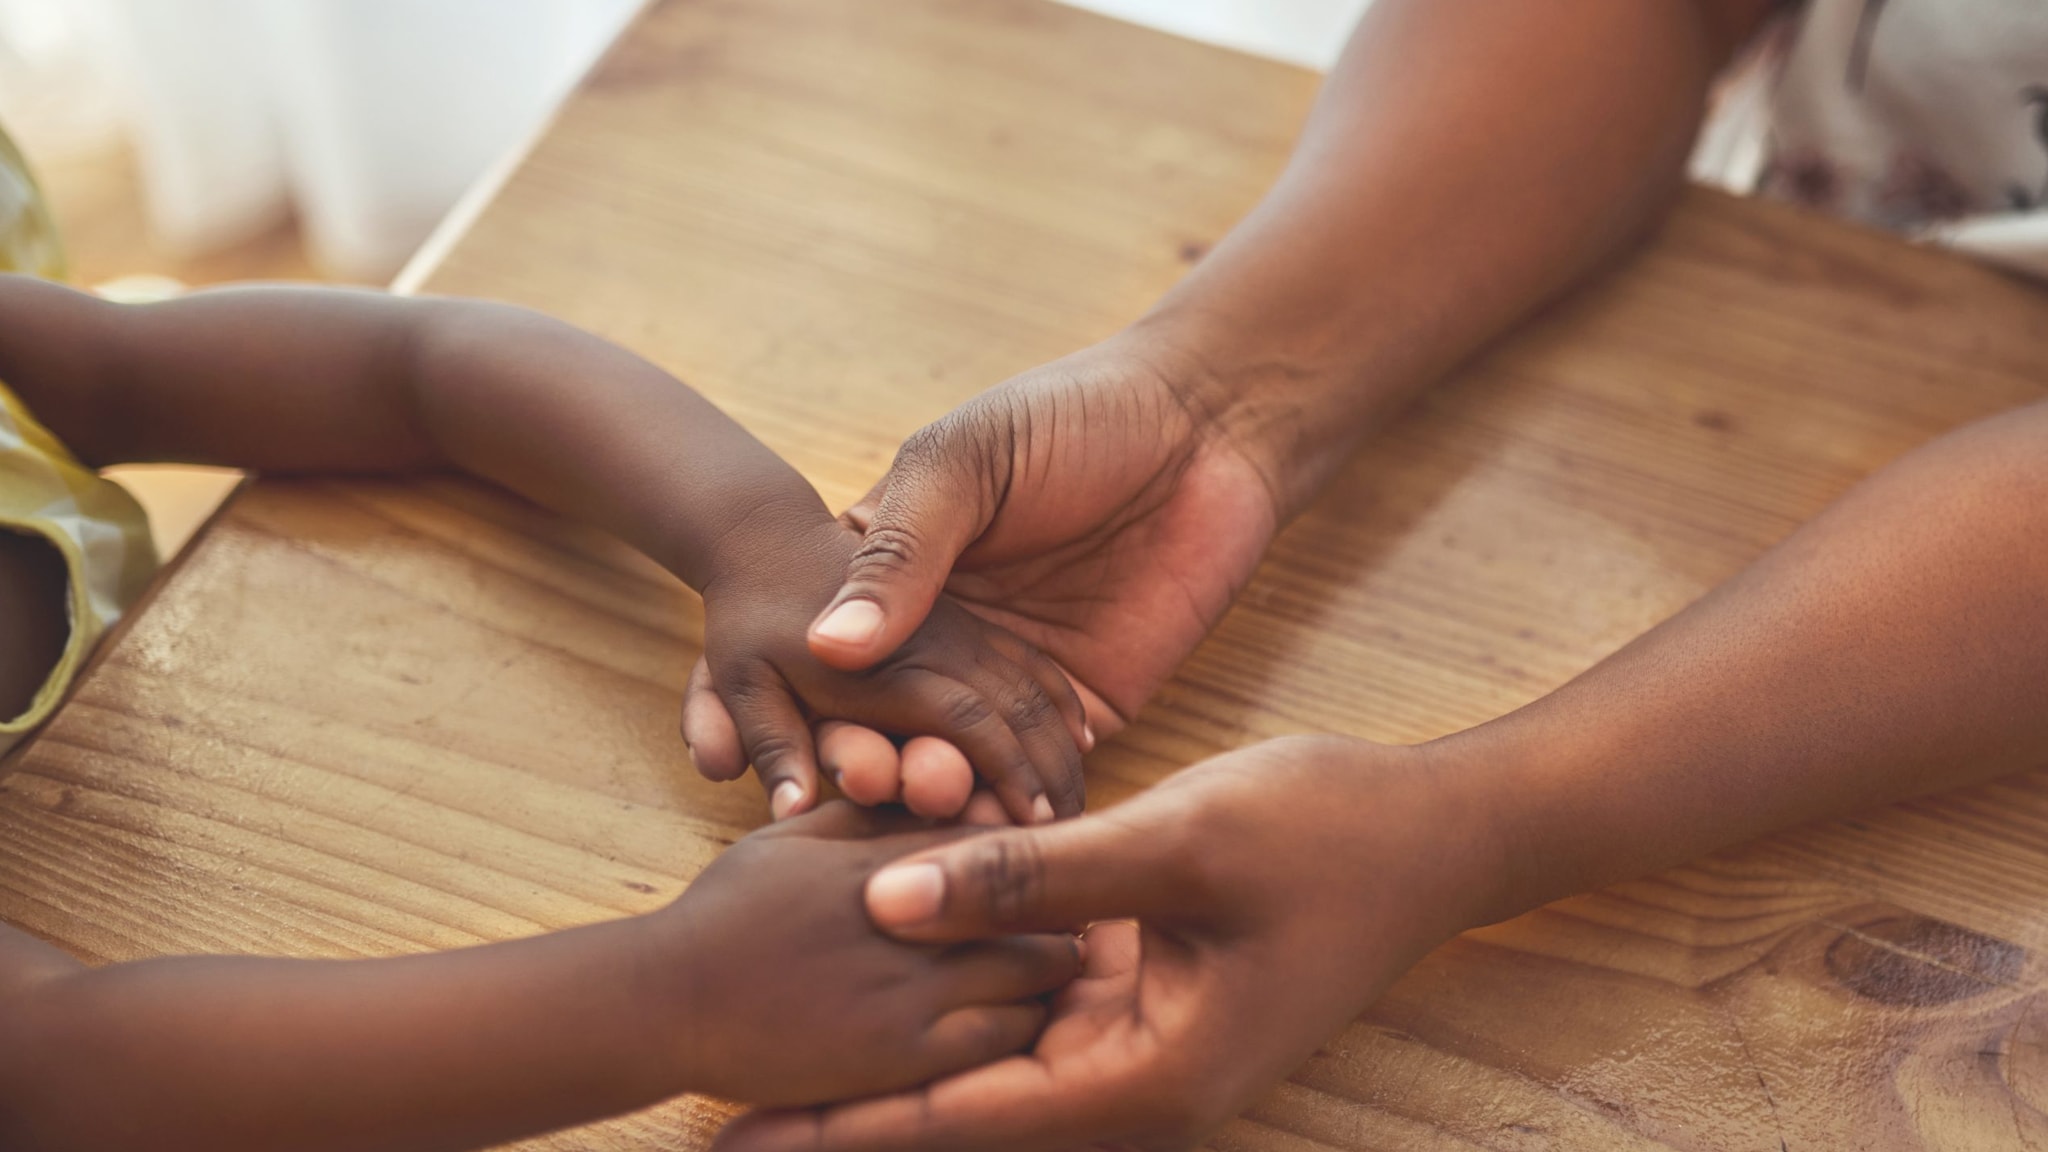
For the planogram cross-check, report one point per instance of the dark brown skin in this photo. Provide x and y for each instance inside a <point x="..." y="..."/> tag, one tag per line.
<point x="1467" y="161"/>
<point x="764" y="982"/>
<point x="1895" y="646"/>
<point x="295" y="380"/>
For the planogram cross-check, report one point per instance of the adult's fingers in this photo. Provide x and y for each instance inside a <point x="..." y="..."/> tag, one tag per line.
<point x="777" y="738"/>
<point x="978" y="1034"/>
<point x="845" y="820"/>
<point x="937" y="780"/>
<point x="708" y="731"/>
<point x="983" y="810"/>
<point x="932" y="510"/>
<point x="863" y="762"/>
<point x="1012" y="1105"/>
<point x="1012" y="968"/>
<point x="1044" y="879"/>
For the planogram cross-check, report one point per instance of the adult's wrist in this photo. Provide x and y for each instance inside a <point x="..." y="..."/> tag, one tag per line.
<point x="1289" y="400"/>
<point x="1457" y="817"/>
<point x="1526" y="780"/>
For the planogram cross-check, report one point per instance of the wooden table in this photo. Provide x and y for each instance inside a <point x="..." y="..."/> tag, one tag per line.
<point x="372" y="718"/>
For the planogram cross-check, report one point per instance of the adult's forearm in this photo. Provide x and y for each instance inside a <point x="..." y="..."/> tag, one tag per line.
<point x="1466" y="161"/>
<point x="449" y="1051"/>
<point x="1895" y="645"/>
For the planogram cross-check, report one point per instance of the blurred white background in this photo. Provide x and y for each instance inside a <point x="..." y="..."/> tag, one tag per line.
<point x="1305" y="32"/>
<point x="367" y="117"/>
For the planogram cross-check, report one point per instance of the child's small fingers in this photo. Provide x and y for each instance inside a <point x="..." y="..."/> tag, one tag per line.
<point x="708" y="730"/>
<point x="1052" y="680"/>
<point x="970" y="723"/>
<point x="777" y="738"/>
<point x="937" y="779"/>
<point x="970" y="1037"/>
<point x="983" y="810"/>
<point x="861" y="761"/>
<point x="1013" y="967"/>
<point x="1039" y="728"/>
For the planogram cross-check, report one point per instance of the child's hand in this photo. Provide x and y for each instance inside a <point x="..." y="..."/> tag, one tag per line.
<point x="1264" y="925"/>
<point x="786" y="994"/>
<point x="960" y="678"/>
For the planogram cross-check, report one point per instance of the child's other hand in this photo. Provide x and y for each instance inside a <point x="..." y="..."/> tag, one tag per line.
<point x="785" y="994"/>
<point x="1264" y="926"/>
<point x="970" y="683"/>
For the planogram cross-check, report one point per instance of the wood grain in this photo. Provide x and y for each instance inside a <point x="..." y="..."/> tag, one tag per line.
<point x="366" y="719"/>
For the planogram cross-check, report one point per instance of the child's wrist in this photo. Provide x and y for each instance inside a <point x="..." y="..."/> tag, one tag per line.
<point x="773" y="540"/>
<point x="663" y="972"/>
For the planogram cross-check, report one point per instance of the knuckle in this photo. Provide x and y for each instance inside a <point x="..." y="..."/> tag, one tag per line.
<point x="963" y="711"/>
<point x="921" y="452"/>
<point x="1029" y="708"/>
<point x="885" y="548"/>
<point x="1009" y="871"/>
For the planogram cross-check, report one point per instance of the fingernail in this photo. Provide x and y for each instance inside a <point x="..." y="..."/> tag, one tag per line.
<point x="1087" y="736"/>
<point x="1041" y="811"/>
<point x="855" y="622"/>
<point x="786" y="797"/>
<point x="906" y="894"/>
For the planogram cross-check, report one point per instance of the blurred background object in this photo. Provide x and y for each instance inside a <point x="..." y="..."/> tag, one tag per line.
<point x="1305" y="32"/>
<point x="195" y="141"/>
<point x="28" y="237"/>
<point x="364" y="120"/>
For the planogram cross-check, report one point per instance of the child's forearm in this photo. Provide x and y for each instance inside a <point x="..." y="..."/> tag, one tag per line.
<point x="449" y="1051"/>
<point x="321" y="380"/>
<point x="1896" y="645"/>
<point x="595" y="432"/>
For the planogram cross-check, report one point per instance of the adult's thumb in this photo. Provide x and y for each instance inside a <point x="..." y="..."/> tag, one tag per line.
<point x="927" y="516"/>
<point x="1052" y="878"/>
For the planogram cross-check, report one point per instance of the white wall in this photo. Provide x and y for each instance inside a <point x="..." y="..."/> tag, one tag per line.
<point x="1306" y="32"/>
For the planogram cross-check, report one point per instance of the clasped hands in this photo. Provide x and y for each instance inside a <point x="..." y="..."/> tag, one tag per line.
<point x="1093" y="511"/>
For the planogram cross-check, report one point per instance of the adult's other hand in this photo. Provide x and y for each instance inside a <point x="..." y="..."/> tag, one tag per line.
<point x="1278" y="890"/>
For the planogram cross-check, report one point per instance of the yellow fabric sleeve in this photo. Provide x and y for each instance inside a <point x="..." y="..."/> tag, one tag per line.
<point x="101" y="531"/>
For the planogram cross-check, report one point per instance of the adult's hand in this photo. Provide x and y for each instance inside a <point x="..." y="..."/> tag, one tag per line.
<point x="1094" y="505"/>
<point x="1099" y="507"/>
<point x="1278" y="890"/>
